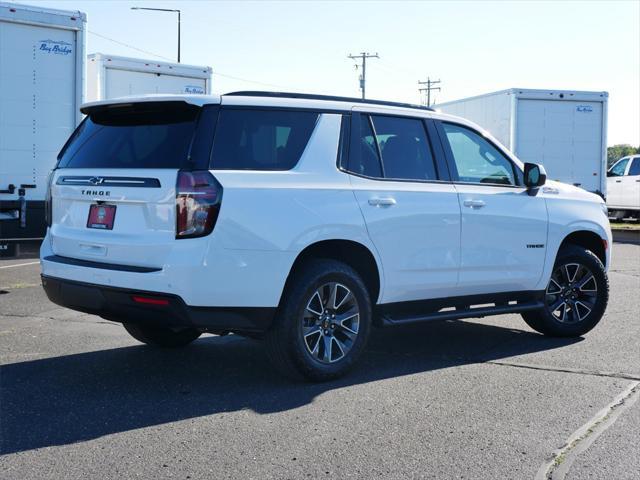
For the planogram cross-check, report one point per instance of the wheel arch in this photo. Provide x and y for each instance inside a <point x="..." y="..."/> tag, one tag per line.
<point x="355" y="254"/>
<point x="589" y="240"/>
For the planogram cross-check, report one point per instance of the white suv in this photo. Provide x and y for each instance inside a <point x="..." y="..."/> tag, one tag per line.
<point x="306" y="220"/>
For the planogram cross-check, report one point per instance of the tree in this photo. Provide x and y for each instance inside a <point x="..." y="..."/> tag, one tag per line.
<point x="616" y="152"/>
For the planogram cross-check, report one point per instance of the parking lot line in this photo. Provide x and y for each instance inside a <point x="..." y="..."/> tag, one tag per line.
<point x="19" y="265"/>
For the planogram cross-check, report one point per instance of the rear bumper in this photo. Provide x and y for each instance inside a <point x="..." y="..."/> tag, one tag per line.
<point x="117" y="304"/>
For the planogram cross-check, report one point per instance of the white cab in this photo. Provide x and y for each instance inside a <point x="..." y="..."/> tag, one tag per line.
<point x="623" y="184"/>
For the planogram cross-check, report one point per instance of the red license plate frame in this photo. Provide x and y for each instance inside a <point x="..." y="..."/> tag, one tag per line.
<point x="101" y="216"/>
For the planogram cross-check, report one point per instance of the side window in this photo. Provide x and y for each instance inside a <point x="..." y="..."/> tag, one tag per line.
<point x="366" y="161"/>
<point x="476" y="160"/>
<point x="406" y="154"/>
<point x="634" y="169"/>
<point x="618" y="169"/>
<point x="248" y="139"/>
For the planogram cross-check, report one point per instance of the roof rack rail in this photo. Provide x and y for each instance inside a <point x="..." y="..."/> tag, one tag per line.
<point x="313" y="96"/>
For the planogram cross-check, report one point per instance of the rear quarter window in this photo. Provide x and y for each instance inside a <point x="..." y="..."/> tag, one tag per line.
<point x="143" y="135"/>
<point x="250" y="139"/>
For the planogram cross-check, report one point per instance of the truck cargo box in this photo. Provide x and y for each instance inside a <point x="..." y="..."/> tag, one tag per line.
<point x="42" y="54"/>
<point x="110" y="76"/>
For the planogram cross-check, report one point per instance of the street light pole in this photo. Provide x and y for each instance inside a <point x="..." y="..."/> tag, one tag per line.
<point x="178" y="36"/>
<point x="165" y="10"/>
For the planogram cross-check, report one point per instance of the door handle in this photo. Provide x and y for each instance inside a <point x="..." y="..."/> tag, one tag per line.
<point x="474" y="203"/>
<point x="382" y="202"/>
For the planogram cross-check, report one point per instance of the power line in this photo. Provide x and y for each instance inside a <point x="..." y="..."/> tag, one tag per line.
<point x="171" y="60"/>
<point x="129" y="46"/>
<point x="363" y="76"/>
<point x="429" y="87"/>
<point x="399" y="70"/>
<point x="250" y="81"/>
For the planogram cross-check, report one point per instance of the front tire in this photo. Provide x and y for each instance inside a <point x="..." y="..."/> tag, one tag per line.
<point x="162" y="336"/>
<point x="322" y="324"/>
<point x="576" y="297"/>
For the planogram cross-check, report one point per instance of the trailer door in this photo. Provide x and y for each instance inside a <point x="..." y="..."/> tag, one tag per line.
<point x="565" y="136"/>
<point x="120" y="83"/>
<point x="37" y="113"/>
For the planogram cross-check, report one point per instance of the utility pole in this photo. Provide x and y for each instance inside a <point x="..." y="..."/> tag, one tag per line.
<point x="363" y="76"/>
<point x="429" y="86"/>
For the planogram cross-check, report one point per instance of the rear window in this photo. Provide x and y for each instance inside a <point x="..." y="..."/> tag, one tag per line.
<point x="142" y="135"/>
<point x="249" y="139"/>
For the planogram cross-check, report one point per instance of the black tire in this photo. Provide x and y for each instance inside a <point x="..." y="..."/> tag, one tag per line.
<point x="162" y="336"/>
<point x="287" y="346"/>
<point x="550" y="322"/>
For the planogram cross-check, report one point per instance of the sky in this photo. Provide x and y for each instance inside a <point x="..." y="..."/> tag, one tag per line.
<point x="473" y="47"/>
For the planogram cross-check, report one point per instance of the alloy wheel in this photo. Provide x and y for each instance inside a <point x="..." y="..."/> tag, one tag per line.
<point x="330" y="323"/>
<point x="572" y="293"/>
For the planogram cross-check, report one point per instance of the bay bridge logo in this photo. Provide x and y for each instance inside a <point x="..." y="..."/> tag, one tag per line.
<point x="55" y="47"/>
<point x="193" y="89"/>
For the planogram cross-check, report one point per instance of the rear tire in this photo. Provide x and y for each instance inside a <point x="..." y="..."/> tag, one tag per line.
<point x="322" y="324"/>
<point x="576" y="297"/>
<point x="162" y="336"/>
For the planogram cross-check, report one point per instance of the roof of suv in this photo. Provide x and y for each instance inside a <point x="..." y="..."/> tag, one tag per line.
<point x="284" y="99"/>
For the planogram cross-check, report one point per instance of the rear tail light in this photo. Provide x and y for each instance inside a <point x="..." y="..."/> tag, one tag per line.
<point x="48" y="209"/>
<point x="198" y="198"/>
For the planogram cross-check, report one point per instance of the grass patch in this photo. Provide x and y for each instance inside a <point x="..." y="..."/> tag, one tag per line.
<point x="625" y="225"/>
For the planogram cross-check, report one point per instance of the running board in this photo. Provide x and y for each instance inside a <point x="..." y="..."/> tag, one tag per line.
<point x="458" y="313"/>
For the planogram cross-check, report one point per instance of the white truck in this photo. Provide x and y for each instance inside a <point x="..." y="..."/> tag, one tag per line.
<point x="42" y="54"/>
<point x="110" y="76"/>
<point x="566" y="131"/>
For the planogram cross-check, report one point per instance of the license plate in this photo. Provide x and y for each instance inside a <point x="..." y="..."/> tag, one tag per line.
<point x="101" y="216"/>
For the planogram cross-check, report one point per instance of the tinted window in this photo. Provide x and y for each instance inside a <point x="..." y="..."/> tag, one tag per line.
<point x="634" y="169"/>
<point x="476" y="160"/>
<point x="261" y="139"/>
<point x="143" y="135"/>
<point x="366" y="160"/>
<point x="618" y="169"/>
<point x="406" y="154"/>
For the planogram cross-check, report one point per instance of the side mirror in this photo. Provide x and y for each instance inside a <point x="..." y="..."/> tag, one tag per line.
<point x="534" y="175"/>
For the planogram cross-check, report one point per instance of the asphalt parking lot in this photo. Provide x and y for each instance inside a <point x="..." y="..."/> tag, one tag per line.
<point x="480" y="399"/>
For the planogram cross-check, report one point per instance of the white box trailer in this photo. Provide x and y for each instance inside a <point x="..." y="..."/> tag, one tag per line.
<point x="564" y="130"/>
<point x="110" y="76"/>
<point x="42" y="55"/>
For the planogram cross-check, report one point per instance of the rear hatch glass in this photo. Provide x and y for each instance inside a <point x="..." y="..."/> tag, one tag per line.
<point x="140" y="135"/>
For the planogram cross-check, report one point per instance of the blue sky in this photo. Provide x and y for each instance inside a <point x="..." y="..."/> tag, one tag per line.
<point x="474" y="47"/>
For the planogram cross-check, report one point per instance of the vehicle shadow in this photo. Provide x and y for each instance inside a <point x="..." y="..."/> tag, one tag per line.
<point x="72" y="398"/>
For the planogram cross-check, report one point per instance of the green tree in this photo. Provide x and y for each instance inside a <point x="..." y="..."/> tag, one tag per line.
<point x="616" y="152"/>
